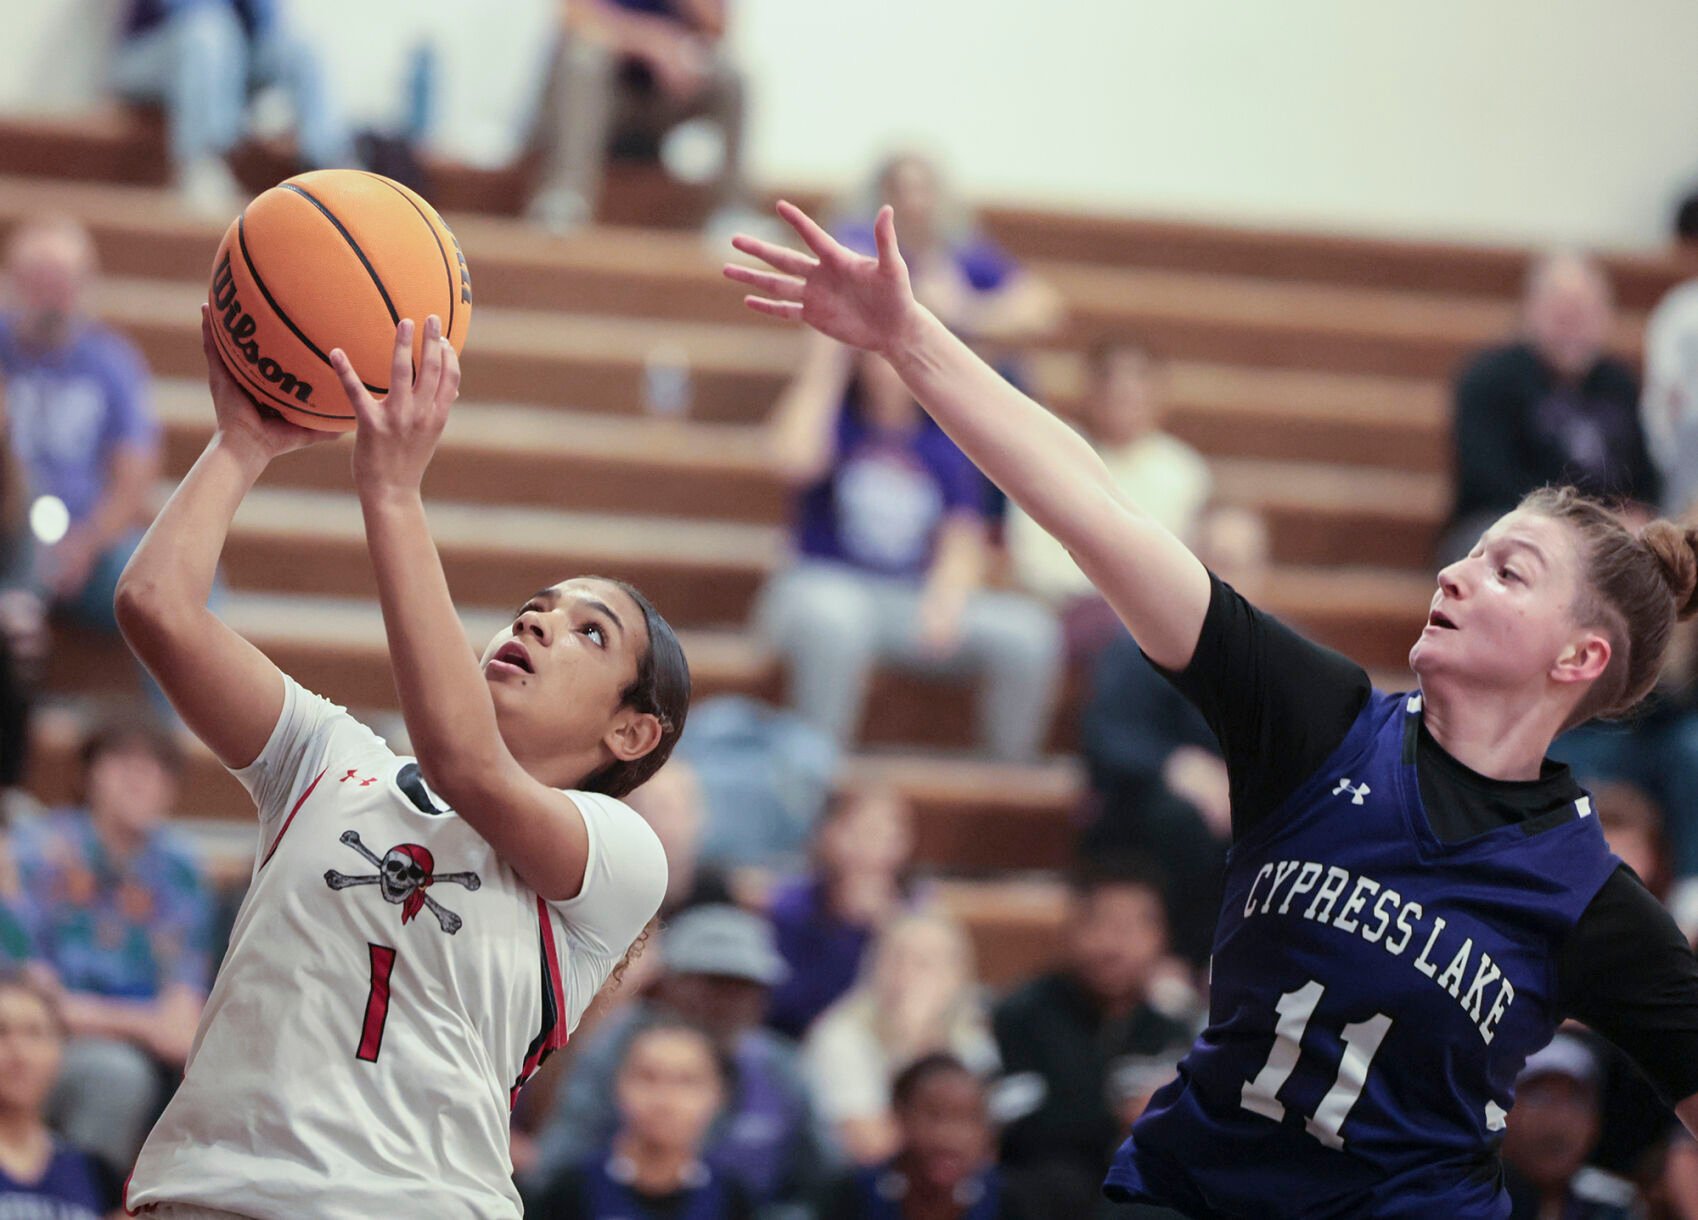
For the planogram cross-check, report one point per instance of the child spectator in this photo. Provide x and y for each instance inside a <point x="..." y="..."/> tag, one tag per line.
<point x="1070" y="1038"/>
<point x="201" y="59"/>
<point x="1162" y="475"/>
<point x="115" y="905"/>
<point x="671" y="1083"/>
<point x="1551" y="1131"/>
<point x="942" y="1167"/>
<point x="891" y="536"/>
<point x="40" y="1175"/>
<point x="918" y="995"/>
<point x="825" y="921"/>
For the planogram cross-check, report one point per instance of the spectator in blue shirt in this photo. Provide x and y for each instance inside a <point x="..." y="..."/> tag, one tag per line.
<point x="891" y="535"/>
<point x="200" y="58"/>
<point x="81" y="424"/>
<point x="41" y="1176"/>
<point x="115" y="905"/>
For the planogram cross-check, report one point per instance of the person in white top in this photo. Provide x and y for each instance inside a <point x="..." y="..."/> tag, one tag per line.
<point x="417" y="935"/>
<point x="1122" y="419"/>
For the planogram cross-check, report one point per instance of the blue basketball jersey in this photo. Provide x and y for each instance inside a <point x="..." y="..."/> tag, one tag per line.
<point x="1374" y="994"/>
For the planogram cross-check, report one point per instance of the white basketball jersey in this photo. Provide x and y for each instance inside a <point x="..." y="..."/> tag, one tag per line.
<point x="390" y="984"/>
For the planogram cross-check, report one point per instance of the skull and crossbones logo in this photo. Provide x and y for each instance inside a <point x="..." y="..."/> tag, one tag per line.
<point x="403" y="874"/>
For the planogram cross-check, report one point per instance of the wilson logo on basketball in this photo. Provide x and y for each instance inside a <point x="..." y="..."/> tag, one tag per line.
<point x="465" y="272"/>
<point x="240" y="326"/>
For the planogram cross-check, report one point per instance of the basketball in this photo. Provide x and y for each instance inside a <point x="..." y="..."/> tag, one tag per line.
<point x="328" y="259"/>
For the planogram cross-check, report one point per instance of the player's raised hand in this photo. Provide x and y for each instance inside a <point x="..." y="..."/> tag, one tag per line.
<point x="239" y="414"/>
<point x="397" y="435"/>
<point x="864" y="302"/>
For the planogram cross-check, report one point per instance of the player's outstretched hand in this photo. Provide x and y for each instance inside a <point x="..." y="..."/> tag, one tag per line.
<point x="239" y="414"/>
<point x="397" y="436"/>
<point x="865" y="302"/>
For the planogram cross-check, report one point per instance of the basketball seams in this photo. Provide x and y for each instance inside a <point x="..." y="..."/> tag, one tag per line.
<point x="352" y="244"/>
<point x="282" y="316"/>
<point x="447" y="263"/>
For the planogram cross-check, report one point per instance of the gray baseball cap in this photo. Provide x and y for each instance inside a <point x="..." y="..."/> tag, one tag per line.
<point x="722" y="939"/>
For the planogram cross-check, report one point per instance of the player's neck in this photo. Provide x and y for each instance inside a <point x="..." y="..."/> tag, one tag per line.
<point x="1497" y="737"/>
<point x="658" y="1169"/>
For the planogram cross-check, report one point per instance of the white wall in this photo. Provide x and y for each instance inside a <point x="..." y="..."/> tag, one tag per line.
<point x="1518" y="119"/>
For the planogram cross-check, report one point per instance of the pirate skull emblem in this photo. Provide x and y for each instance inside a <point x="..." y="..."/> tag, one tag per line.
<point x="403" y="875"/>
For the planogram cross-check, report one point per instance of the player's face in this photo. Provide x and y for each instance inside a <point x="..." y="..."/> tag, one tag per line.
<point x="558" y="674"/>
<point x="1551" y="1129"/>
<point x="668" y="1089"/>
<point x="30" y="1048"/>
<point x="1119" y="933"/>
<point x="945" y="1133"/>
<point x="1502" y="616"/>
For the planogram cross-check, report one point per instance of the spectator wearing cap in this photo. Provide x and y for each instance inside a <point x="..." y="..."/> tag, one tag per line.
<point x="1076" y="1043"/>
<point x="115" y="906"/>
<point x="1551" y="1130"/>
<point x="719" y="966"/>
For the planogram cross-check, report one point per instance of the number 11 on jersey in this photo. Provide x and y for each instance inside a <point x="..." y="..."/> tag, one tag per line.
<point x="1361" y="1042"/>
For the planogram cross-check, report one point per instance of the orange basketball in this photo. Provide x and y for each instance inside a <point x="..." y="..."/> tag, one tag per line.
<point x="334" y="258"/>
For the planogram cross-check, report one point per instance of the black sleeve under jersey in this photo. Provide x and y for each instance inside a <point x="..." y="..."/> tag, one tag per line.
<point x="1279" y="703"/>
<point x="1627" y="972"/>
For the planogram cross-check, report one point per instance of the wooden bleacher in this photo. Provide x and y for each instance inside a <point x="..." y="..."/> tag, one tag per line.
<point x="1311" y="369"/>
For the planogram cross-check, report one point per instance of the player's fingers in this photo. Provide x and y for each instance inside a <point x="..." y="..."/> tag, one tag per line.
<point x="401" y="359"/>
<point x="884" y="232"/>
<point x="358" y="396"/>
<point x="788" y="287"/>
<point x="789" y="311"/>
<point x="817" y="239"/>
<point x="448" y="389"/>
<point x="430" y="363"/>
<point x="781" y="258"/>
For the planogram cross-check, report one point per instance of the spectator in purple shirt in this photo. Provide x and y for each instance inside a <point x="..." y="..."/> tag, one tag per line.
<point x="81" y="422"/>
<point x="115" y="906"/>
<point x="891" y="535"/>
<point x="41" y="1176"/>
<point x="200" y="58"/>
<point x="826" y="920"/>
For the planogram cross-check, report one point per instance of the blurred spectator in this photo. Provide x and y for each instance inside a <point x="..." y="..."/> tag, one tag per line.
<point x="1073" y="1042"/>
<point x="1668" y="409"/>
<point x="825" y="921"/>
<point x="22" y="623"/>
<point x="1162" y="475"/>
<point x="633" y="67"/>
<point x="671" y="803"/>
<point x="1633" y="826"/>
<point x="81" y="423"/>
<point x="40" y="1175"/>
<point x="918" y="994"/>
<point x="1552" y="407"/>
<point x="720" y="967"/>
<point x="942" y="1167"/>
<point x="671" y="1083"/>
<point x="116" y="906"/>
<point x="1158" y="785"/>
<point x="891" y="535"/>
<point x="972" y="284"/>
<point x="1551" y="1131"/>
<point x="764" y="774"/>
<point x="202" y="59"/>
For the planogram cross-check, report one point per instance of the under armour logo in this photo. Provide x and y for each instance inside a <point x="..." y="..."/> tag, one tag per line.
<point x="1357" y="791"/>
<point x="364" y="783"/>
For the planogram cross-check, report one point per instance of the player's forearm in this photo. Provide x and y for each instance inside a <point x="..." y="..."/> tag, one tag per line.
<point x="169" y="578"/>
<point x="1155" y="584"/>
<point x="444" y="699"/>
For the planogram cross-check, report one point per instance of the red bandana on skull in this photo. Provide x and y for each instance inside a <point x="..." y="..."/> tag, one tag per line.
<point x="420" y="855"/>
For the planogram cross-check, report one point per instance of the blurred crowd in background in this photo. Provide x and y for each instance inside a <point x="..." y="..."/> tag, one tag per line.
<point x="806" y="1034"/>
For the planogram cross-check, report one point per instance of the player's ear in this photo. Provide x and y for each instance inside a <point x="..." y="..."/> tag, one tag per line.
<point x="1583" y="659"/>
<point x="632" y="734"/>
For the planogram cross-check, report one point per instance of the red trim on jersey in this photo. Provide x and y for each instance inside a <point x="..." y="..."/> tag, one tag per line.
<point x="554" y="1032"/>
<point x="272" y="850"/>
<point x="124" y="1195"/>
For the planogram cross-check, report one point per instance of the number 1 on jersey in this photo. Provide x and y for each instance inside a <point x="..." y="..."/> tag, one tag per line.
<point x="1361" y="1043"/>
<point x="377" y="1003"/>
